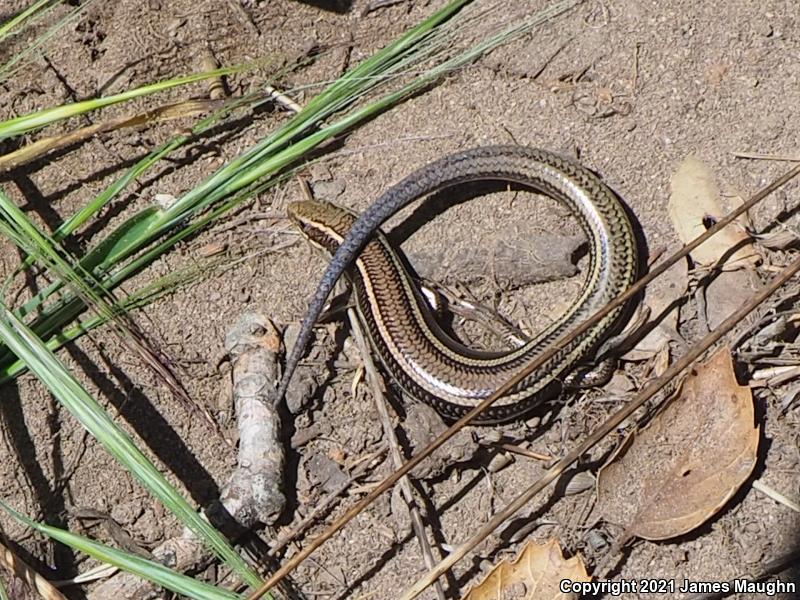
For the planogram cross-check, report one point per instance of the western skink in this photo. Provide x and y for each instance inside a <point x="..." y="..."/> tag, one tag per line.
<point x="426" y="362"/>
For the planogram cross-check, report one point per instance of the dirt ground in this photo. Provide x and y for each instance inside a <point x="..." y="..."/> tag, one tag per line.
<point x="631" y="87"/>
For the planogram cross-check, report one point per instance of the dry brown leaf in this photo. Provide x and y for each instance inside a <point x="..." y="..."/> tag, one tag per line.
<point x="726" y="292"/>
<point x="535" y="574"/>
<point x="663" y="302"/>
<point x="695" y="197"/>
<point x="675" y="474"/>
<point x="22" y="581"/>
<point x="660" y="362"/>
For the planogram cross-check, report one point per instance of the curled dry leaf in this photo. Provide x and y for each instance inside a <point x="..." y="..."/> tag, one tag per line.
<point x="672" y="476"/>
<point x="535" y="574"/>
<point x="694" y="201"/>
<point x="660" y="362"/>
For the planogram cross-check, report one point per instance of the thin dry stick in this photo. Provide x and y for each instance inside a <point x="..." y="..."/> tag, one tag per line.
<point x="534" y="364"/>
<point x="776" y="495"/>
<point x="761" y="156"/>
<point x="524" y="452"/>
<point x="635" y="78"/>
<point x="378" y="4"/>
<point x="610" y="425"/>
<point x="394" y="445"/>
<point x="326" y="504"/>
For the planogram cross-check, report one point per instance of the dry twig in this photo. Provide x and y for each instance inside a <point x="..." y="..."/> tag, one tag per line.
<point x="607" y="427"/>
<point x="177" y="110"/>
<point x="534" y="364"/>
<point x="776" y="495"/>
<point x="394" y="446"/>
<point x="762" y="156"/>
<point x="327" y="503"/>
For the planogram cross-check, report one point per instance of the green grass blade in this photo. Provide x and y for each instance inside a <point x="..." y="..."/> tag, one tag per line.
<point x="271" y="160"/>
<point x="11" y="367"/>
<point x="360" y="78"/>
<point x="71" y="394"/>
<point x="16" y="225"/>
<point x="48" y="116"/>
<point x="9" y="26"/>
<point x="101" y="200"/>
<point x="347" y="88"/>
<point x="108" y="252"/>
<point x="6" y="70"/>
<point x="114" y="189"/>
<point x="23" y="232"/>
<point x="146" y="569"/>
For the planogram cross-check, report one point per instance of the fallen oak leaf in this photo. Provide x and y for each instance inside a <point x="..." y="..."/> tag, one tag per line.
<point x="694" y="201"/>
<point x="679" y="471"/>
<point x="536" y="573"/>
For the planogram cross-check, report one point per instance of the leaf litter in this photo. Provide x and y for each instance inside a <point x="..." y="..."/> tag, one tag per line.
<point x="535" y="574"/>
<point x="696" y="203"/>
<point x="672" y="476"/>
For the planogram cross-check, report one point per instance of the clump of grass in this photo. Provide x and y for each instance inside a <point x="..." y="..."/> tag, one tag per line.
<point x="26" y="18"/>
<point x="33" y="331"/>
